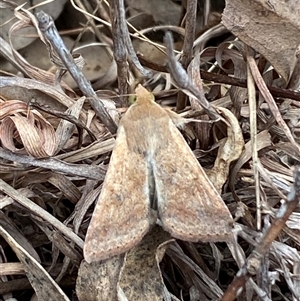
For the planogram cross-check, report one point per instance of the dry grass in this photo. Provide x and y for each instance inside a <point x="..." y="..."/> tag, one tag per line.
<point x="57" y="135"/>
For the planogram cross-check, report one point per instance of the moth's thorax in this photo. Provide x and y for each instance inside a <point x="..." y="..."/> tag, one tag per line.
<point x="146" y="125"/>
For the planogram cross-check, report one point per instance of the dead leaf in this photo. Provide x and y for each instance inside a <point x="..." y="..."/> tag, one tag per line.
<point x="141" y="278"/>
<point x="136" y="276"/>
<point x="98" y="281"/>
<point x="230" y="150"/>
<point x="270" y="27"/>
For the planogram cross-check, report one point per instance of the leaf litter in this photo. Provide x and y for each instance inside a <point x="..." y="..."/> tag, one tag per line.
<point x="57" y="134"/>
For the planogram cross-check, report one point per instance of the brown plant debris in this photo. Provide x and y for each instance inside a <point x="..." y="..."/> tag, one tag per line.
<point x="226" y="73"/>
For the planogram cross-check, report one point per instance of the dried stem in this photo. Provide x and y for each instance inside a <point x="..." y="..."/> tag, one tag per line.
<point x="117" y="14"/>
<point x="51" y="35"/>
<point x="187" y="51"/>
<point x="82" y="170"/>
<point x="184" y="82"/>
<point x="123" y="49"/>
<point x="254" y="260"/>
<point x="228" y="80"/>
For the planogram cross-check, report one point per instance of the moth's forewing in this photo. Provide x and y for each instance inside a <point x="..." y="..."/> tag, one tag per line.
<point x="121" y="216"/>
<point x="189" y="206"/>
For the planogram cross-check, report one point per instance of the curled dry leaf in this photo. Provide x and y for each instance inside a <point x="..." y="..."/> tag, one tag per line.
<point x="28" y="89"/>
<point x="229" y="151"/>
<point x="65" y="128"/>
<point x="263" y="140"/>
<point x="27" y="19"/>
<point x="7" y="13"/>
<point x="238" y="70"/>
<point x="110" y="99"/>
<point x="25" y="127"/>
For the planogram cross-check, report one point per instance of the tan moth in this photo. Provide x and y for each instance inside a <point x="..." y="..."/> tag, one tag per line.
<point x="152" y="161"/>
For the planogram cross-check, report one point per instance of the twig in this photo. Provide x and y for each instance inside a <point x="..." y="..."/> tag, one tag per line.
<point x="224" y="79"/>
<point x="82" y="170"/>
<point x="253" y="135"/>
<point x="187" y="50"/>
<point x="253" y="262"/>
<point x="123" y="49"/>
<point x="51" y="35"/>
<point x="77" y="122"/>
<point x="117" y="13"/>
<point x="183" y="81"/>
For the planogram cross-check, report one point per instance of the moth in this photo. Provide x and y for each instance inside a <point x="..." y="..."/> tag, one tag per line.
<point x="153" y="174"/>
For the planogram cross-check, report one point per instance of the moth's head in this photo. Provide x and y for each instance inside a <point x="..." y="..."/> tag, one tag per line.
<point x="143" y="96"/>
